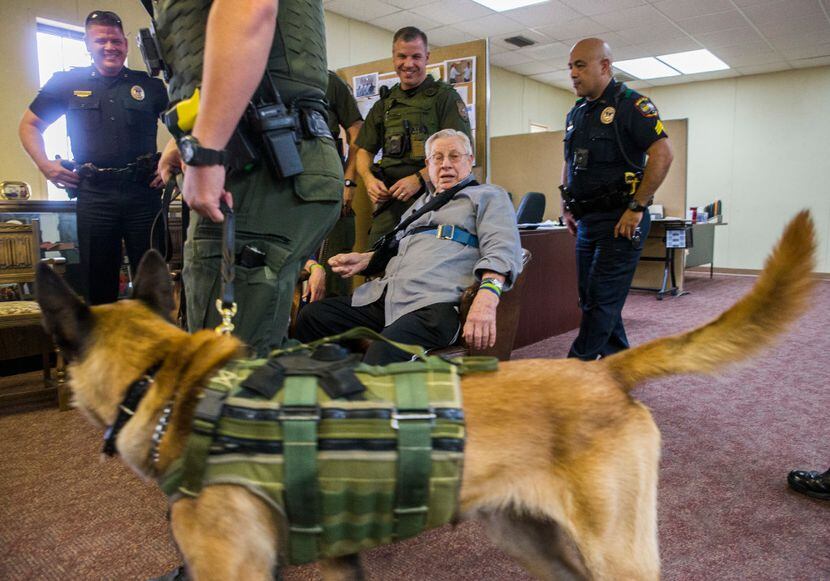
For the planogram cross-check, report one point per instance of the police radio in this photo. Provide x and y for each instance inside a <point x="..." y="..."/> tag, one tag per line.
<point x="151" y="53"/>
<point x="278" y="128"/>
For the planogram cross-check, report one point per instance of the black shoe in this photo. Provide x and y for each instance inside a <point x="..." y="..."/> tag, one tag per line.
<point x="177" y="574"/>
<point x="811" y="483"/>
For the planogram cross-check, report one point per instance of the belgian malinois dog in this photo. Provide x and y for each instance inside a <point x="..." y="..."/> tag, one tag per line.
<point x="561" y="462"/>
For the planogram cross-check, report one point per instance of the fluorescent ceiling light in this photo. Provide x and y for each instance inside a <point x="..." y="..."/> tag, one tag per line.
<point x="503" y="5"/>
<point x="694" y="61"/>
<point x="646" y="68"/>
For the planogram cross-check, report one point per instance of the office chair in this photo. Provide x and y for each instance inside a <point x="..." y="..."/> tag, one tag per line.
<point x="531" y="208"/>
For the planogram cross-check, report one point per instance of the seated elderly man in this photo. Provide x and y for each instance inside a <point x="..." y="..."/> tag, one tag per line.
<point x="433" y="259"/>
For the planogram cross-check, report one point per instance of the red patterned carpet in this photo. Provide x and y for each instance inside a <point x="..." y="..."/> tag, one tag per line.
<point x="724" y="508"/>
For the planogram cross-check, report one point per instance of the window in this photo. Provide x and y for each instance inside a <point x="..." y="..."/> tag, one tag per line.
<point x="59" y="47"/>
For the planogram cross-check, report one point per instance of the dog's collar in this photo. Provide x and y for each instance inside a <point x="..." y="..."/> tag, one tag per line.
<point x="135" y="393"/>
<point x="159" y="431"/>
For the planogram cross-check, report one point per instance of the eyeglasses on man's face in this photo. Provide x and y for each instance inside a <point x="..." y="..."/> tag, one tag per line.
<point x="453" y="156"/>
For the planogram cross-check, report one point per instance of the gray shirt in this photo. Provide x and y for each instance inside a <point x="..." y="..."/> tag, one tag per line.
<point x="428" y="270"/>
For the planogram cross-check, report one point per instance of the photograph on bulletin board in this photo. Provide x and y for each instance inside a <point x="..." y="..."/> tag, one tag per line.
<point x="365" y="85"/>
<point x="461" y="70"/>
<point x="467" y="92"/>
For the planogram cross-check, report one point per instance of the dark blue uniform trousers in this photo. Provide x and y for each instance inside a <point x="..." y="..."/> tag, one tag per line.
<point x="605" y="268"/>
<point x="110" y="213"/>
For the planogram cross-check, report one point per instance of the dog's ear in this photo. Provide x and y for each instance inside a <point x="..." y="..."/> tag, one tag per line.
<point x="64" y="315"/>
<point x="153" y="285"/>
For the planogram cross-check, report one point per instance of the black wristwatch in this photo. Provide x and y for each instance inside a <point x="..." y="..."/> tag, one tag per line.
<point x="349" y="183"/>
<point x="635" y="207"/>
<point x="194" y="154"/>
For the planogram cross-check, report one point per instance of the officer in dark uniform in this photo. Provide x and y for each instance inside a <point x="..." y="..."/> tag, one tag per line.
<point x="112" y="114"/>
<point x="343" y="112"/>
<point x="607" y="186"/>
<point x="400" y="123"/>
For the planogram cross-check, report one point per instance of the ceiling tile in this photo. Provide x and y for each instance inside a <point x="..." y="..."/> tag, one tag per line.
<point x="452" y="11"/>
<point x="410" y="4"/>
<point x="550" y="12"/>
<point x="792" y="41"/>
<point x="731" y="37"/>
<point x="591" y="7"/>
<point x="677" y="9"/>
<point x="447" y="35"/>
<point x="403" y="18"/>
<point x="749" y="54"/>
<point x="807" y="52"/>
<point x="650" y="34"/>
<point x="554" y="50"/>
<point x="497" y="42"/>
<point x="639" y="85"/>
<point x="492" y="25"/>
<point x="807" y="63"/>
<point x="613" y="40"/>
<point x="562" y="77"/>
<point x="670" y="46"/>
<point x="772" y="12"/>
<point x="582" y="27"/>
<point x="759" y="69"/>
<point x="511" y="58"/>
<point x="361" y="10"/>
<point x="795" y="25"/>
<point x="713" y="22"/>
<point x="635" y="17"/>
<point x="536" y="67"/>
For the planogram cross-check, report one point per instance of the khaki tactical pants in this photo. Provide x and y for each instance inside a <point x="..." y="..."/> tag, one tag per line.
<point x="285" y="219"/>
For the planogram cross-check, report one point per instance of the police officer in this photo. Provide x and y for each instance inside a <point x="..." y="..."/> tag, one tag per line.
<point x="400" y="123"/>
<point x="343" y="112"/>
<point x="607" y="186"/>
<point x="112" y="114"/>
<point x="227" y="48"/>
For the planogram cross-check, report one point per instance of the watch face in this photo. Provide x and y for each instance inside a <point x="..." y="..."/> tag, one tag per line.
<point x="187" y="150"/>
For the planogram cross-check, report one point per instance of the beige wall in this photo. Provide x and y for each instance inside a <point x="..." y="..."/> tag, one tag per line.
<point x="516" y="101"/>
<point x="759" y="143"/>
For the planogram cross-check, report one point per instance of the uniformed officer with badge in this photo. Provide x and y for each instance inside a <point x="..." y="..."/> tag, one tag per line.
<point x="284" y="183"/>
<point x="616" y="156"/>
<point x="400" y="123"/>
<point x="112" y="115"/>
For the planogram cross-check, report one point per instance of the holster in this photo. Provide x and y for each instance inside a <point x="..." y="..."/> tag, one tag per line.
<point x="605" y="198"/>
<point x="383" y="250"/>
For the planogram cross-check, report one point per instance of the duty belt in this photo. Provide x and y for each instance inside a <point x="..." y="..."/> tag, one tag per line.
<point x="605" y="198"/>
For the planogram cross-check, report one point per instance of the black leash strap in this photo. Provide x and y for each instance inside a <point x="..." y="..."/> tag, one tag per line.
<point x="225" y="304"/>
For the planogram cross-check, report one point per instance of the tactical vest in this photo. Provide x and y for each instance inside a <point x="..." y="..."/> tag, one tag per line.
<point x="407" y="124"/>
<point x="375" y="464"/>
<point x="297" y="62"/>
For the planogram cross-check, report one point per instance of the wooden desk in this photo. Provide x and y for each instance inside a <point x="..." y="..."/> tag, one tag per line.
<point x="550" y="304"/>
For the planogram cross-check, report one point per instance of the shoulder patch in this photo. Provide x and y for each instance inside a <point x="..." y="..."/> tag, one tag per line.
<point x="384" y="91"/>
<point x="462" y="110"/>
<point x="645" y="107"/>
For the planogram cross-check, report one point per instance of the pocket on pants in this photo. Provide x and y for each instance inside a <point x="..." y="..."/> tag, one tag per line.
<point x="202" y="282"/>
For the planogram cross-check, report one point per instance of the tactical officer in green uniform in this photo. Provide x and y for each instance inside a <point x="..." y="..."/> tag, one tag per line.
<point x="287" y="195"/>
<point x="343" y="112"/>
<point x="400" y="123"/>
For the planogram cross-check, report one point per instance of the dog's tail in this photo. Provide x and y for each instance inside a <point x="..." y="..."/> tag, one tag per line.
<point x="778" y="297"/>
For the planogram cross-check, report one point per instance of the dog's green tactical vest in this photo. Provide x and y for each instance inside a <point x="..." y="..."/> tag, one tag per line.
<point x="297" y="62"/>
<point x="349" y="473"/>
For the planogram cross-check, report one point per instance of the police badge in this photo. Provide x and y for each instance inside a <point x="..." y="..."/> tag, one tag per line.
<point x="137" y="93"/>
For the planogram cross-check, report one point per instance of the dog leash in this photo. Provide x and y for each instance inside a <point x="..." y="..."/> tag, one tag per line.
<point x="225" y="304"/>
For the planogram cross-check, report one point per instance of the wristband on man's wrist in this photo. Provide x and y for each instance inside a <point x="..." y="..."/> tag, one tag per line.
<point x="313" y="266"/>
<point x="493" y="285"/>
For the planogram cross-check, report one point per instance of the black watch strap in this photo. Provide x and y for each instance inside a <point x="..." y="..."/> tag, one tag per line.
<point x="350" y="183"/>
<point x="194" y="154"/>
